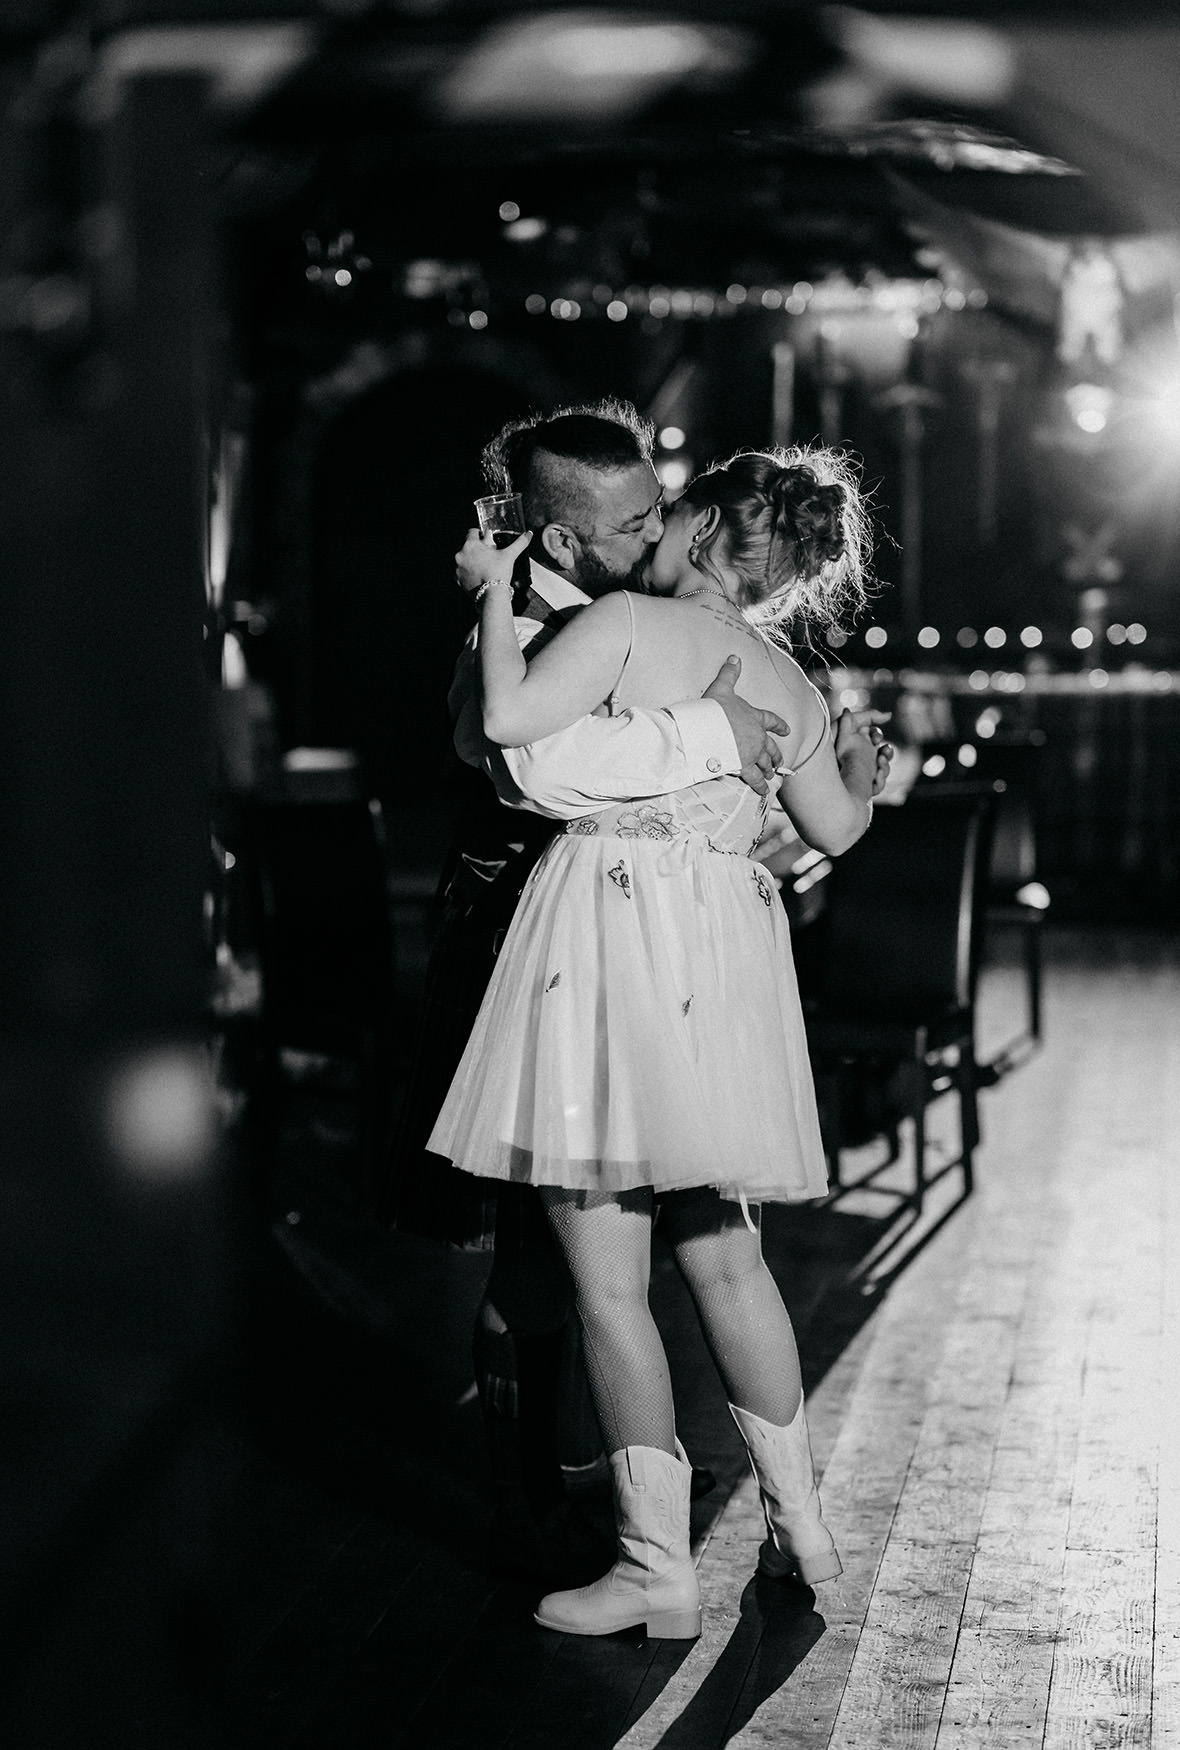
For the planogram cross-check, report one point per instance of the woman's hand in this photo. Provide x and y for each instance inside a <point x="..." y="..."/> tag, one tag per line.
<point x="861" y="747"/>
<point x="479" y="561"/>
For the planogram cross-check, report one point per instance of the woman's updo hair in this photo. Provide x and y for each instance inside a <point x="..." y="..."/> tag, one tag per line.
<point x="793" y="528"/>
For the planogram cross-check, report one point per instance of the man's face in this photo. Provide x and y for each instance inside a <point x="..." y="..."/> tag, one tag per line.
<point x="626" y="523"/>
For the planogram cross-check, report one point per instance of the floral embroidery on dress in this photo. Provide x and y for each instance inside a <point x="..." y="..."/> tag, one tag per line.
<point x="686" y="1005"/>
<point x="585" y="827"/>
<point x="621" y="878"/>
<point x="554" y="982"/>
<point x="645" y="823"/>
<point x="765" y="891"/>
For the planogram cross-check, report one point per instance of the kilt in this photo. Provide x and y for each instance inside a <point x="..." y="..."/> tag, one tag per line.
<point x="423" y="1193"/>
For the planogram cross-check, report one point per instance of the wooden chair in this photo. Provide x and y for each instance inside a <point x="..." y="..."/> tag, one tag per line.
<point x="897" y="987"/>
<point x="1015" y="897"/>
<point x="318" y="870"/>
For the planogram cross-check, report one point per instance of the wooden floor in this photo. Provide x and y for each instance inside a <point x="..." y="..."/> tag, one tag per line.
<point x="995" y="1408"/>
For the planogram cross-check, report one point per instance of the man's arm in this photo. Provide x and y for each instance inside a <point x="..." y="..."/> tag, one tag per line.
<point x="642" y="752"/>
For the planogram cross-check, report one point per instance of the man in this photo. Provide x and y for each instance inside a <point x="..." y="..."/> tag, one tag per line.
<point x="592" y="498"/>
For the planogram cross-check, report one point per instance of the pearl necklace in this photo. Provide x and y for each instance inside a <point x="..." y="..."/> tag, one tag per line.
<point x="720" y="593"/>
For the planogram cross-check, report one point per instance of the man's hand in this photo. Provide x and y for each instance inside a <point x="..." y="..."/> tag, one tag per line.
<point x="861" y="740"/>
<point x="759" y="755"/>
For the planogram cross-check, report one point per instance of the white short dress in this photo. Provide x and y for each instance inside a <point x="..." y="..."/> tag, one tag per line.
<point x="643" y="1025"/>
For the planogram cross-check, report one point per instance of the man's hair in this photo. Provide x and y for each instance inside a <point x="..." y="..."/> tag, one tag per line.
<point x="544" y="457"/>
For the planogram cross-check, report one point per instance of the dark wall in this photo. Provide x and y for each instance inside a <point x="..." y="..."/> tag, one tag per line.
<point x="392" y="500"/>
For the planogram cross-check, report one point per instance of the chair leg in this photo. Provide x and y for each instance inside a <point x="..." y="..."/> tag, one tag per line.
<point x="921" y="1077"/>
<point x="968" y="1115"/>
<point x="968" y="1079"/>
<point x="1032" y="960"/>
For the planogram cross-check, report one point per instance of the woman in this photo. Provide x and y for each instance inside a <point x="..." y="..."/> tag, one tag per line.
<point x="642" y="1035"/>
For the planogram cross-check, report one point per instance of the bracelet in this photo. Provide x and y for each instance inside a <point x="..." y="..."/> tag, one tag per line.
<point x="492" y="583"/>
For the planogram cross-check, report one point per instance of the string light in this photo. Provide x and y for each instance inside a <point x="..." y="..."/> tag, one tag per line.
<point x="674" y="473"/>
<point x="1031" y="636"/>
<point x="526" y="230"/>
<point x="904" y="300"/>
<point x="928" y="637"/>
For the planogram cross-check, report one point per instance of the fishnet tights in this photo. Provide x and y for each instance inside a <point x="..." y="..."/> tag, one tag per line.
<point x="606" y="1242"/>
<point x="746" y="1325"/>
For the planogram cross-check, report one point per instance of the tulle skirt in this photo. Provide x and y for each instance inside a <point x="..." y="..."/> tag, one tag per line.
<point x="642" y="1027"/>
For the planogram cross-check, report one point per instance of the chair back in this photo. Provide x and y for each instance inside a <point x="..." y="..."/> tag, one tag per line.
<point x="326" y="940"/>
<point x="904" y="908"/>
<point x="1014" y="762"/>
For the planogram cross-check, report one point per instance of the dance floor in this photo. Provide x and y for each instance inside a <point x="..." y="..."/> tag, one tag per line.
<point x="994" y="1398"/>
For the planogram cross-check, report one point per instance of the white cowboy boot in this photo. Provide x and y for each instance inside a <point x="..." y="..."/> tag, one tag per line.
<point x="653" y="1583"/>
<point x="799" y="1542"/>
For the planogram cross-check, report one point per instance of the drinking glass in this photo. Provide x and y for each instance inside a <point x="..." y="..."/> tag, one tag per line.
<point x="501" y="515"/>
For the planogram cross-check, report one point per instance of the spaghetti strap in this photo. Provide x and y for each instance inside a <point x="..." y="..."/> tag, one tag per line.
<point x="613" y="701"/>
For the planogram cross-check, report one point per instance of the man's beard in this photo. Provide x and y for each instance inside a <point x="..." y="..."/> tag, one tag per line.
<point x="596" y="578"/>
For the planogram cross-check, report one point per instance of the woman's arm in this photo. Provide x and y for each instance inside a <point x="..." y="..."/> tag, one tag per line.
<point x="830" y="798"/>
<point x="574" y="673"/>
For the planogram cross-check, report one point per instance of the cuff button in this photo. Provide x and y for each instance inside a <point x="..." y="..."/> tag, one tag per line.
<point x="712" y="765"/>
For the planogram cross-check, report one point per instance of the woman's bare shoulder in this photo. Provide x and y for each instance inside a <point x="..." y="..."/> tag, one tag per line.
<point x="791" y="673"/>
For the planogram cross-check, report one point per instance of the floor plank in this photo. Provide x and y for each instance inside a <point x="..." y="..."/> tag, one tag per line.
<point x="1166" y="1663"/>
<point x="1101" y="1688"/>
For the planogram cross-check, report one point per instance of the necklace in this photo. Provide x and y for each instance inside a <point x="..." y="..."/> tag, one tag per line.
<point x="684" y="595"/>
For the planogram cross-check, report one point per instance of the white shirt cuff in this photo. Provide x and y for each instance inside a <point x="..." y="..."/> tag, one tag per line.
<point x="710" y="750"/>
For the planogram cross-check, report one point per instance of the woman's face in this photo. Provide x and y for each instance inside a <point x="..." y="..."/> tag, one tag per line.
<point x="669" y="564"/>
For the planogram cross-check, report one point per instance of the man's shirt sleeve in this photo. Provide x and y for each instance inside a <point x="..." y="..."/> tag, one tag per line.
<point x="644" y="751"/>
<point x="641" y="752"/>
